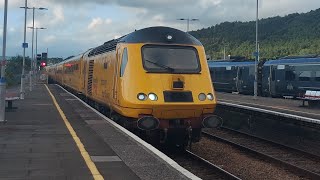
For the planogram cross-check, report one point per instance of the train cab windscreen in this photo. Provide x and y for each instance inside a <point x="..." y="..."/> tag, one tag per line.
<point x="170" y="59"/>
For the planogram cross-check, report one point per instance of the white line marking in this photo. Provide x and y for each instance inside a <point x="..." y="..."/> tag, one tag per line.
<point x="105" y="159"/>
<point x="316" y="121"/>
<point x="275" y="107"/>
<point x="145" y="145"/>
<point x="43" y="104"/>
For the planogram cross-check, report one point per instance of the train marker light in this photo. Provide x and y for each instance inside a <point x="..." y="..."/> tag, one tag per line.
<point x="153" y="97"/>
<point x="202" y="97"/>
<point x="142" y="97"/>
<point x="210" y="97"/>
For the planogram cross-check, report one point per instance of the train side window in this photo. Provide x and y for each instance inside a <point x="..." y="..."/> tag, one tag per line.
<point x="124" y="62"/>
<point x="290" y="76"/>
<point x="279" y="67"/>
<point x="304" y="75"/>
<point x="317" y="77"/>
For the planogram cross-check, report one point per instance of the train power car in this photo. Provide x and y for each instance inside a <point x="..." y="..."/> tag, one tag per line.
<point x="155" y="80"/>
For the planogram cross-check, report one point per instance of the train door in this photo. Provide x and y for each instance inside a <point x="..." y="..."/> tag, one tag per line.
<point x="84" y="75"/>
<point x="116" y="77"/>
<point x="237" y="79"/>
<point x="265" y="81"/>
<point x="272" y="81"/>
<point x="242" y="78"/>
<point x="232" y="78"/>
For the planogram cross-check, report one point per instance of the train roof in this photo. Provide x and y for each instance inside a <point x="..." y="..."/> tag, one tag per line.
<point x="293" y="61"/>
<point x="158" y="34"/>
<point x="224" y="63"/>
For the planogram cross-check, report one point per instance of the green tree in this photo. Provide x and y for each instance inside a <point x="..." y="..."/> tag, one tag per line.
<point x="294" y="34"/>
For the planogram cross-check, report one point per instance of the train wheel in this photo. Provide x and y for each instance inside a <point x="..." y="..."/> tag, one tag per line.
<point x="153" y="137"/>
<point x="196" y="134"/>
<point x="178" y="138"/>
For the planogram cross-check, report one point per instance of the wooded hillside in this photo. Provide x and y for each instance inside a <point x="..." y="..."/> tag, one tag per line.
<point x="294" y="34"/>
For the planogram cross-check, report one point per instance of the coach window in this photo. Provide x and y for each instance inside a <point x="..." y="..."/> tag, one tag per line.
<point x="290" y="75"/>
<point x="317" y="77"/>
<point x="304" y="75"/>
<point x="124" y="61"/>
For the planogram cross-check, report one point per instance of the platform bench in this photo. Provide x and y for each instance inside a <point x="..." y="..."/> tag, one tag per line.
<point x="313" y="98"/>
<point x="10" y="100"/>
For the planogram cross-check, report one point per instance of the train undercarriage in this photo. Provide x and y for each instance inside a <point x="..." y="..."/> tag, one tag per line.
<point x="179" y="133"/>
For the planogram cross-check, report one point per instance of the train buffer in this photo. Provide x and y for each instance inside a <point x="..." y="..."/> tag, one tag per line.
<point x="313" y="98"/>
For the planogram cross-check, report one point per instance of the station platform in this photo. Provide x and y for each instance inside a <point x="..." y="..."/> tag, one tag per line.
<point x="54" y="135"/>
<point x="286" y="107"/>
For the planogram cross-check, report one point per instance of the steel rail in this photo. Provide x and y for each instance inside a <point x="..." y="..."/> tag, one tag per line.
<point x="210" y="165"/>
<point x="303" y="172"/>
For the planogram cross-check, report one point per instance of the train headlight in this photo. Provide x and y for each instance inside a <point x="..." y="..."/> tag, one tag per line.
<point x="210" y="96"/>
<point x="153" y="97"/>
<point x="142" y="97"/>
<point x="202" y="97"/>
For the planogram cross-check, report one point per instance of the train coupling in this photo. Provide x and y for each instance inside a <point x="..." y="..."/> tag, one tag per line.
<point x="212" y="121"/>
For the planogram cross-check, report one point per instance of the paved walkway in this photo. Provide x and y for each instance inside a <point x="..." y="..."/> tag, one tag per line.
<point x="36" y="144"/>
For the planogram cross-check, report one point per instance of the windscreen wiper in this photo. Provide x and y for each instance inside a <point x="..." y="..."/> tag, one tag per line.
<point x="160" y="65"/>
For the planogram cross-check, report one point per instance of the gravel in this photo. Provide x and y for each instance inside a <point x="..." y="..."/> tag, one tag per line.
<point x="239" y="163"/>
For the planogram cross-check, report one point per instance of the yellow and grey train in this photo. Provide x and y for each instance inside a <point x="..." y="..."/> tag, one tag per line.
<point x="155" y="80"/>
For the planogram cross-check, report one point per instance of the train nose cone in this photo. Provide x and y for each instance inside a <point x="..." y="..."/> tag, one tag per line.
<point x="212" y="121"/>
<point x="148" y="123"/>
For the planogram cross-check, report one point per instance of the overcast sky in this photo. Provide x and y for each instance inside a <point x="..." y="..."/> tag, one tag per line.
<point x="74" y="26"/>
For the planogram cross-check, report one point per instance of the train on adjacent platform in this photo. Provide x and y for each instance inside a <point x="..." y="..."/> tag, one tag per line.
<point x="154" y="80"/>
<point x="290" y="76"/>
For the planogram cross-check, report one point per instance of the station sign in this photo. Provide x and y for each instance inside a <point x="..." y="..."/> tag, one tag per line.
<point x="24" y="45"/>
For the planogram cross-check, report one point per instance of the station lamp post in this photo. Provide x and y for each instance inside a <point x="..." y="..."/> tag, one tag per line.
<point x="36" y="28"/>
<point x="32" y="64"/>
<point x="256" y="55"/>
<point x="188" y="21"/>
<point x="3" y="66"/>
<point x="24" y="45"/>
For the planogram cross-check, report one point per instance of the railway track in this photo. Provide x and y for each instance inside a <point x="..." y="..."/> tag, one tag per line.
<point x="207" y="170"/>
<point x="199" y="166"/>
<point x="301" y="163"/>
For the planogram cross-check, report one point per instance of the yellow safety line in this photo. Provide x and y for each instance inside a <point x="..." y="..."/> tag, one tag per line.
<point x="93" y="169"/>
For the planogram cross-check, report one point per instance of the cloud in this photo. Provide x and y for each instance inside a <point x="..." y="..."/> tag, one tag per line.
<point x="12" y="3"/>
<point x="95" y="22"/>
<point x="99" y="23"/>
<point x="50" y="39"/>
<point x="76" y="25"/>
<point x="108" y="21"/>
<point x="58" y="13"/>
